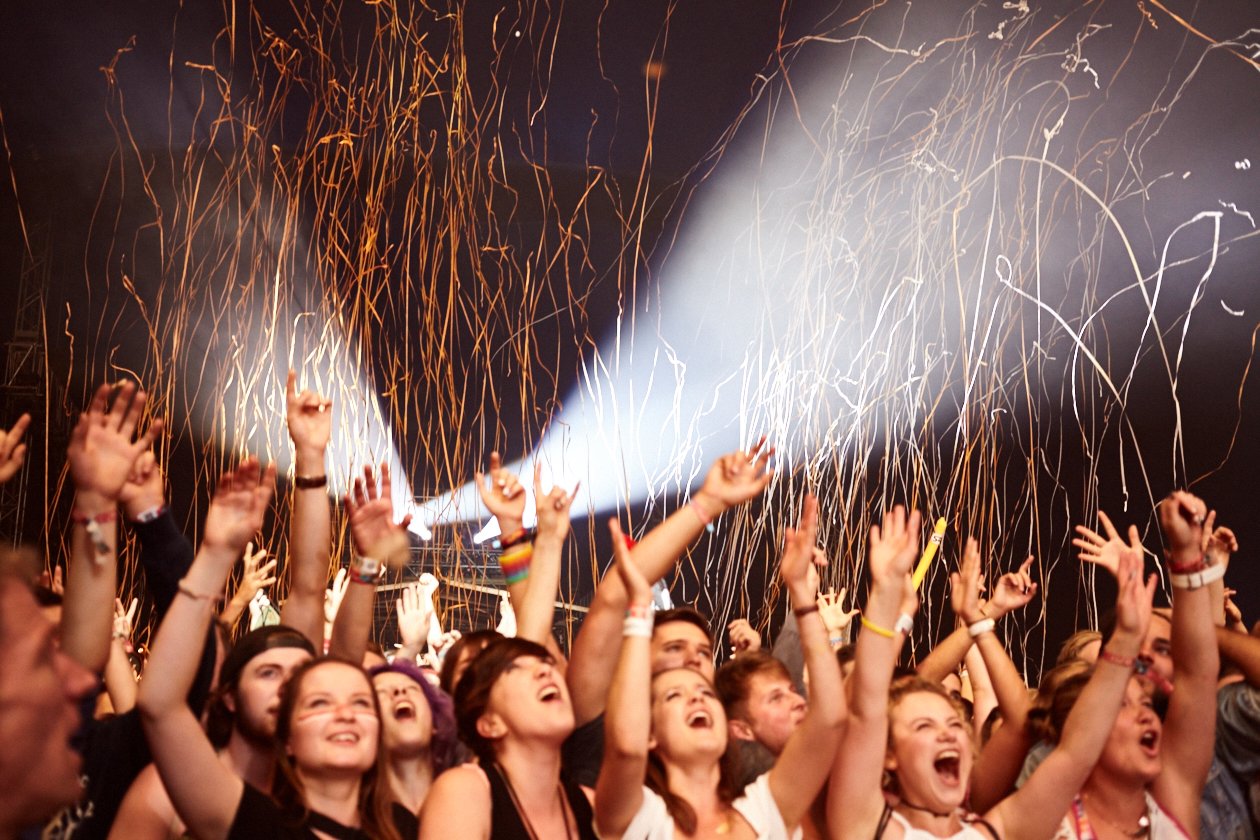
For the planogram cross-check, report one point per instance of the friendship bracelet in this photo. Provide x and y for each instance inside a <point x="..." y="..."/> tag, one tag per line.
<point x="876" y="629"/>
<point x="1192" y="566"/>
<point x="635" y="627"/>
<point x="981" y="627"/>
<point x="184" y="589"/>
<point x="310" y="482"/>
<point x="703" y="515"/>
<point x="517" y="537"/>
<point x="366" y="570"/>
<point x="1197" y="579"/>
<point x="1116" y="659"/>
<point x="905" y="624"/>
<point x="805" y="609"/>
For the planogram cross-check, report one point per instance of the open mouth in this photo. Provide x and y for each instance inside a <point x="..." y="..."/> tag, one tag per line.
<point x="948" y="766"/>
<point x="404" y="712"/>
<point x="549" y="694"/>
<point x="1150" y="741"/>
<point x="345" y="738"/>
<point x="700" y="720"/>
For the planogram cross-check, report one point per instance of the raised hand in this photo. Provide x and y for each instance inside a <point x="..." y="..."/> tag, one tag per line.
<point x="256" y="575"/>
<point x="1134" y="601"/>
<point x="836" y="618"/>
<point x="414" y="611"/>
<point x="371" y="510"/>
<point x="332" y="598"/>
<point x="637" y="586"/>
<point x="507" y="617"/>
<point x="502" y="494"/>
<point x="552" y="507"/>
<point x="309" y="415"/>
<point x="1182" y="515"/>
<point x="894" y="546"/>
<point x="744" y="639"/>
<point x="735" y="478"/>
<point x="12" y="450"/>
<point x="239" y="505"/>
<point x="966" y="585"/>
<point x="1013" y="591"/>
<point x="124" y="619"/>
<point x="1218" y="543"/>
<point x="799" y="555"/>
<point x="101" y="451"/>
<point x="145" y="488"/>
<point x="428" y="589"/>
<point x="1108" y="552"/>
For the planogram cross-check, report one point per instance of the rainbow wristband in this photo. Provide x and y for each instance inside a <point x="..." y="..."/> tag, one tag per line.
<point x="515" y="562"/>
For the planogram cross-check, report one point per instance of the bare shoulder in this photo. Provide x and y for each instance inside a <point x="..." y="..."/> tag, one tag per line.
<point x="458" y="804"/>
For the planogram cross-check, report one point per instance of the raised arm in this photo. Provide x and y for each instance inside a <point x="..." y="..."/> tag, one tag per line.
<point x="855" y="796"/>
<point x="801" y="769"/>
<point x="12" y="450"/>
<point x="628" y="724"/>
<point x="996" y="769"/>
<point x="205" y="793"/>
<point x="379" y="543"/>
<point x="732" y="480"/>
<point x="1190" y="726"/>
<point x="120" y="680"/>
<point x="255" y="577"/>
<point x="101" y="456"/>
<point x="1035" y="810"/>
<point x="536" y="608"/>
<point x="309" y="418"/>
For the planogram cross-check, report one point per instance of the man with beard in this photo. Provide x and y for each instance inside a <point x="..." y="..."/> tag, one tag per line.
<point x="241" y="722"/>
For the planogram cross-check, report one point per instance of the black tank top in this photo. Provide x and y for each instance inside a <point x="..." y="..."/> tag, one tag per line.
<point x="507" y="824"/>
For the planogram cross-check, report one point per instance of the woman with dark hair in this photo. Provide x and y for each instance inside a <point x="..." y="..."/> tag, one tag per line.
<point x="327" y="721"/>
<point x="513" y="710"/>
<point x="670" y="731"/>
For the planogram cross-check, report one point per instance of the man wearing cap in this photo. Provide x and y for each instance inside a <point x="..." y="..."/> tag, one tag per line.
<point x="241" y="723"/>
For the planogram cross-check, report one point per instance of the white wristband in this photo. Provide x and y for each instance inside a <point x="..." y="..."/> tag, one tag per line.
<point x="1195" y="580"/>
<point x="637" y="627"/>
<point x="982" y="626"/>
<point x="904" y="625"/>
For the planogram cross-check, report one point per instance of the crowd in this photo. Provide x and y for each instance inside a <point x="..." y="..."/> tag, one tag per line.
<point x="243" y="723"/>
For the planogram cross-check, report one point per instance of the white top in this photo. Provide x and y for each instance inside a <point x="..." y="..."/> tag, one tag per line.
<point x="756" y="805"/>
<point x="967" y="832"/>
<point x="1163" y="827"/>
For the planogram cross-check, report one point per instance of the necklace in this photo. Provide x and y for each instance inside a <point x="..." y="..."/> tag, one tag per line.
<point x="1143" y="829"/>
<point x="520" y="810"/>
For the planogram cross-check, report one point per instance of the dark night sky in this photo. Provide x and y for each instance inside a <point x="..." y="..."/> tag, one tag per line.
<point x="55" y="101"/>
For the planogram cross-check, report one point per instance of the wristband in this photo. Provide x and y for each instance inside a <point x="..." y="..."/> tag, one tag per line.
<point x="1197" y="579"/>
<point x="904" y="625"/>
<point x="635" y="627"/>
<point x="310" y="482"/>
<point x="838" y="641"/>
<point x="515" y="562"/>
<point x="984" y="625"/>
<point x="520" y="535"/>
<point x="703" y="515"/>
<point x="184" y="589"/>
<point x="150" y="515"/>
<point x="805" y="609"/>
<point x="640" y="610"/>
<point x="876" y="629"/>
<point x="102" y="518"/>
<point x="1116" y="659"/>
<point x="367" y="570"/>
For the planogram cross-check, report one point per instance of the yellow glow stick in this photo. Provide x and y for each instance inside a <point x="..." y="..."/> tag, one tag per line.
<point x="929" y="551"/>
